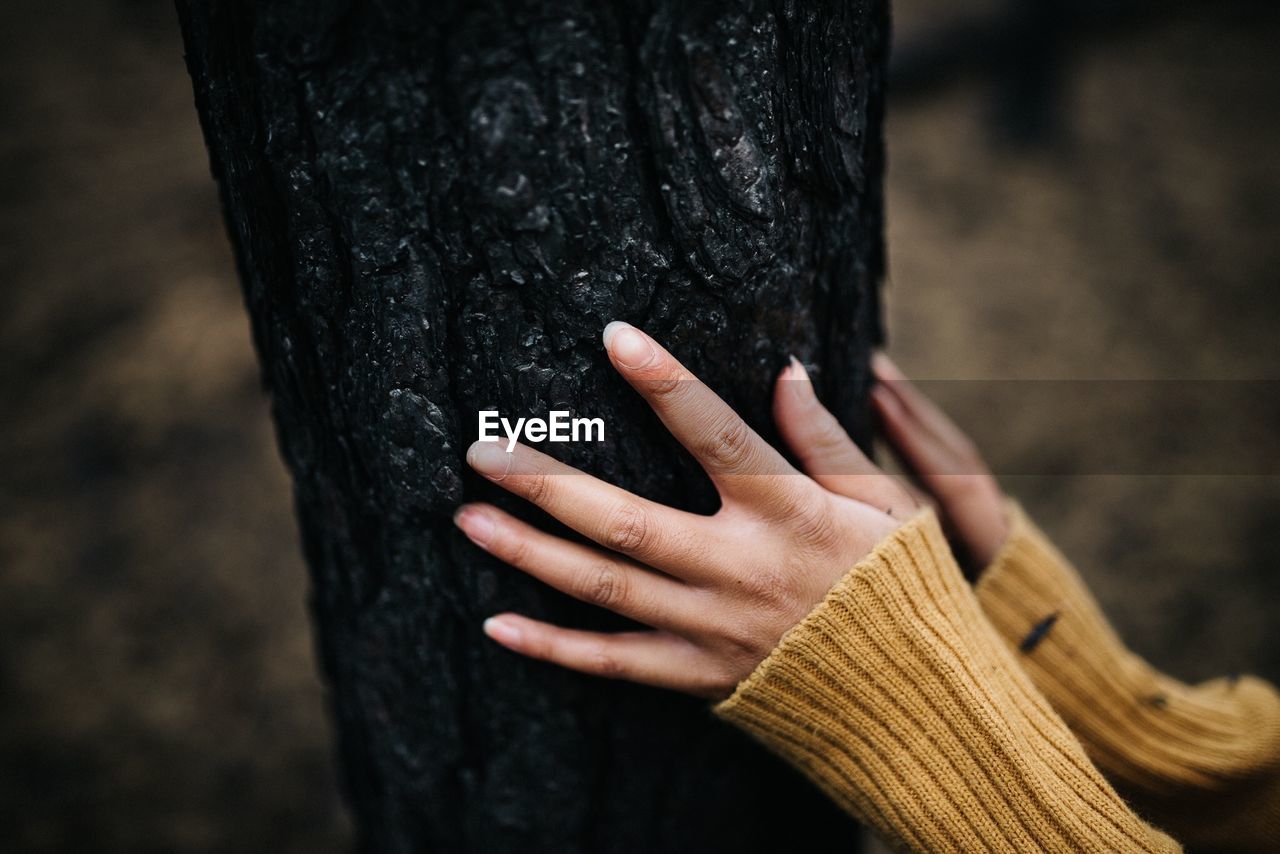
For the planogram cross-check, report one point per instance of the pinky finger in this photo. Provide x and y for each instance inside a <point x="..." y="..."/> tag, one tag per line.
<point x="655" y="658"/>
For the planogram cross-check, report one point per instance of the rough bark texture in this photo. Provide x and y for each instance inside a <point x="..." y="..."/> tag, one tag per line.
<point x="435" y="209"/>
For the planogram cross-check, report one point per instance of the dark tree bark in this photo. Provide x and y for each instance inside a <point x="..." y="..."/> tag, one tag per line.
<point x="436" y="210"/>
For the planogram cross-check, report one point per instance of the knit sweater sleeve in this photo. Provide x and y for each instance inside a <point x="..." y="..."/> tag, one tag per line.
<point x="898" y="699"/>
<point x="1203" y="761"/>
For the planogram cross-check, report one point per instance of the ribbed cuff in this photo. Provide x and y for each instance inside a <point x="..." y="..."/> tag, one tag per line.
<point x="898" y="700"/>
<point x="1148" y="731"/>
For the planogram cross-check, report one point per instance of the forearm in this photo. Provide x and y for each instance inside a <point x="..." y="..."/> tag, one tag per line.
<point x="1202" y="760"/>
<point x="897" y="698"/>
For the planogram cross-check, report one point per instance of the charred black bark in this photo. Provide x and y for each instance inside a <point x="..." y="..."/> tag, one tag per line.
<point x="436" y="210"/>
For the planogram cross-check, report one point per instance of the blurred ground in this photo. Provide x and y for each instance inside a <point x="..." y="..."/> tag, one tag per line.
<point x="157" y="687"/>
<point x="1142" y="242"/>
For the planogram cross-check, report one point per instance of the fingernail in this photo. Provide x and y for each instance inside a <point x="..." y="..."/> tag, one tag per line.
<point x="884" y="368"/>
<point x="475" y="524"/>
<point x="801" y="385"/>
<point x="631" y="348"/>
<point x="502" y="631"/>
<point x="489" y="459"/>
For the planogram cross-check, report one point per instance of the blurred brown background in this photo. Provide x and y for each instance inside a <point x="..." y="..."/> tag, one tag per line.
<point x="157" y="684"/>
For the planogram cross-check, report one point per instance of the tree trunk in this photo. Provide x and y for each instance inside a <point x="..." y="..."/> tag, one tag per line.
<point x="435" y="211"/>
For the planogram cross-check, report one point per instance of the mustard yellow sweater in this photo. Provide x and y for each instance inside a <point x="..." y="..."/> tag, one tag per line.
<point x="1008" y="718"/>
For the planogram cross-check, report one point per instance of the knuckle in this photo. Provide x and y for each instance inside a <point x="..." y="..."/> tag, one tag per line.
<point x="605" y="663"/>
<point x="801" y="510"/>
<point x="812" y="524"/>
<point x="665" y="383"/>
<point x="788" y="497"/>
<point x="514" y="549"/>
<point x="729" y="444"/>
<point x="768" y="587"/>
<point x="604" y="585"/>
<point x="627" y="528"/>
<point x="829" y="437"/>
<point x="538" y="487"/>
<point x="717" y="682"/>
<point x="737" y="636"/>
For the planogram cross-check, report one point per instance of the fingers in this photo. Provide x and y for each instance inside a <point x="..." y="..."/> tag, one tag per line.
<point x="812" y="433"/>
<point x="825" y="451"/>
<point x="585" y="573"/>
<point x="740" y="463"/>
<point x="652" y="658"/>
<point x="663" y="537"/>
<point x="946" y="462"/>
<point x="929" y="442"/>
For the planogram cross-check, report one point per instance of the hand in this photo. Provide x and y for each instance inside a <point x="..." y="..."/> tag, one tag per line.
<point x="941" y="458"/>
<point x="719" y="591"/>
<point x="946" y="463"/>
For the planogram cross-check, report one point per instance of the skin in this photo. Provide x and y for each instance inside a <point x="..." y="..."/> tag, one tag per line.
<point x="718" y="591"/>
<point x="946" y="465"/>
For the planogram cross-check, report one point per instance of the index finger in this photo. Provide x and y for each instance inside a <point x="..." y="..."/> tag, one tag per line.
<point x="739" y="462"/>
